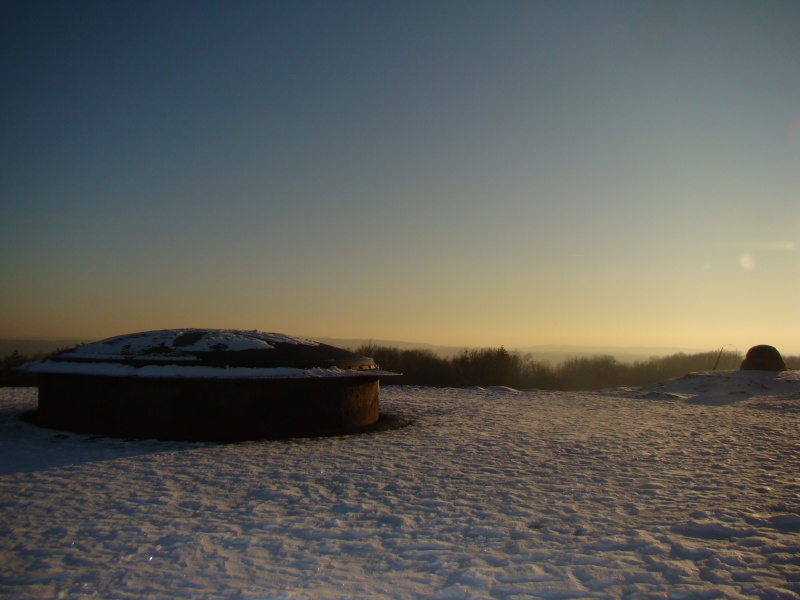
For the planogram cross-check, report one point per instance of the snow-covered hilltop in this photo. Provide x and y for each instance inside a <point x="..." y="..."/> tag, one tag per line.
<point x="686" y="489"/>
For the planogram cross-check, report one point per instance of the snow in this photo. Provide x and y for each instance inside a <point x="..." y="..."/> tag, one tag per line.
<point x="686" y="489"/>
<point x="193" y="371"/>
<point x="133" y="345"/>
<point x="174" y="352"/>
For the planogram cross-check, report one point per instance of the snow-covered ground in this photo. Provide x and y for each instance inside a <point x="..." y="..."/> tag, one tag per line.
<point x="685" y="489"/>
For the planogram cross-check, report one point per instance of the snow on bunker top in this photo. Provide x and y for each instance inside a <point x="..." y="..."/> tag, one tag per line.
<point x="207" y="353"/>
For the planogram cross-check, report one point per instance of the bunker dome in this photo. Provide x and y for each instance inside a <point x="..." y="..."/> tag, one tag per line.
<point x="207" y="384"/>
<point x="763" y="358"/>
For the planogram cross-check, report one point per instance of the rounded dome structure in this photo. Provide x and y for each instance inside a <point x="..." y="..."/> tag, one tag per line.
<point x="207" y="384"/>
<point x="763" y="358"/>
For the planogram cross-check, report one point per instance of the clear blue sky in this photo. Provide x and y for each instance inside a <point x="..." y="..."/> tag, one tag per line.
<point x="466" y="173"/>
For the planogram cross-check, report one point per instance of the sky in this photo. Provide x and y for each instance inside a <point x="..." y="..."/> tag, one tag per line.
<point x="476" y="173"/>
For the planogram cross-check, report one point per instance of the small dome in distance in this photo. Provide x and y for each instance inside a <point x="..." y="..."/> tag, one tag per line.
<point x="763" y="358"/>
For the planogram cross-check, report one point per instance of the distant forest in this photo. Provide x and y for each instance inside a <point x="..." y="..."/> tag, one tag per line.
<point x="499" y="367"/>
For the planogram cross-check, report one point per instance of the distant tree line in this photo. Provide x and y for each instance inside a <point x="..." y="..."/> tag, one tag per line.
<point x="499" y="367"/>
<point x="9" y="376"/>
<point x="7" y="365"/>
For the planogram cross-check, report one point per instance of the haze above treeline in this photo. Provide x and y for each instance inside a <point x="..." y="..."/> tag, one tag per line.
<point x="553" y="353"/>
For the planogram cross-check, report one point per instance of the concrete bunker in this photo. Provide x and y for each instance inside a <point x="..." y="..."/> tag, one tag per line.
<point x="207" y="385"/>
<point x="763" y="358"/>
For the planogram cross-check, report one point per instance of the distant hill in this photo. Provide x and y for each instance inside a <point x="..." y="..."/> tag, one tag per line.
<point x="626" y="354"/>
<point x="352" y="343"/>
<point x="551" y="353"/>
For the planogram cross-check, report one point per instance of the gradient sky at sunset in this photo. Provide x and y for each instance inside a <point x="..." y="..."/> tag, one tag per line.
<point x="455" y="172"/>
